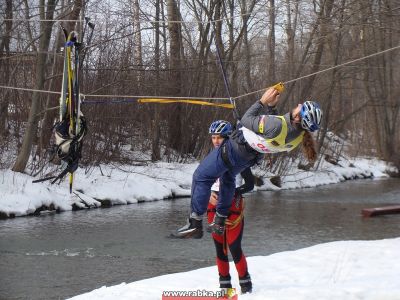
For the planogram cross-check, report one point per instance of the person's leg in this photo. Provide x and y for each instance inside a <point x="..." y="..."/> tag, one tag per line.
<point x="222" y="262"/>
<point x="221" y="257"/>
<point x="234" y="237"/>
<point x="210" y="169"/>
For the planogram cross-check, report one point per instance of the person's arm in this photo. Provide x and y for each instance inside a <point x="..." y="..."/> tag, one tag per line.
<point x="267" y="125"/>
<point x="257" y="121"/>
<point x="270" y="110"/>
<point x="248" y="184"/>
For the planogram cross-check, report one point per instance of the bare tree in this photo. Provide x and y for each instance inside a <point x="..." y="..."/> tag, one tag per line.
<point x="46" y="13"/>
<point x="132" y="53"/>
<point x="155" y="128"/>
<point x="137" y="45"/>
<point x="5" y="63"/>
<point x="271" y="42"/>
<point x="175" y="79"/>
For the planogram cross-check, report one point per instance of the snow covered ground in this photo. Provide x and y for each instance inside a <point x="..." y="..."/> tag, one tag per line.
<point x="132" y="184"/>
<point x="343" y="270"/>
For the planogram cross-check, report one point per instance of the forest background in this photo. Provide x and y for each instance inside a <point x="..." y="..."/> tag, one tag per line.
<point x="167" y="48"/>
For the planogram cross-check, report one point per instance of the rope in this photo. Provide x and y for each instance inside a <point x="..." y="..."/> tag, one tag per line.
<point x="14" y="55"/>
<point x="206" y="98"/>
<point x="167" y="101"/>
<point x="324" y="70"/>
<point x="149" y="97"/>
<point x="139" y="99"/>
<point x="112" y="96"/>
<point x="41" y="20"/>
<point x="29" y="90"/>
<point x="161" y="101"/>
<point x="226" y="83"/>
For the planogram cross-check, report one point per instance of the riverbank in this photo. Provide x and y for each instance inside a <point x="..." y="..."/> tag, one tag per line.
<point x="109" y="185"/>
<point x="58" y="256"/>
<point x="337" y="270"/>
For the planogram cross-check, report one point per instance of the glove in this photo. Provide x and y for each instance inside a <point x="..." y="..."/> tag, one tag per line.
<point x="218" y="224"/>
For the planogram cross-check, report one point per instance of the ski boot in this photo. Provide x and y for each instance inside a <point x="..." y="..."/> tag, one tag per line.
<point x="192" y="230"/>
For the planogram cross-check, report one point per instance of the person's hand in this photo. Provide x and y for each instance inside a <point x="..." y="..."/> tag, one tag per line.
<point x="270" y="97"/>
<point x="214" y="198"/>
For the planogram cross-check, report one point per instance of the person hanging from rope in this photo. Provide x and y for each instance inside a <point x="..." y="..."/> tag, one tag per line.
<point x="232" y="237"/>
<point x="261" y="133"/>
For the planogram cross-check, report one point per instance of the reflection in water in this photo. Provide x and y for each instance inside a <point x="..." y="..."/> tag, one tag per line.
<point x="57" y="256"/>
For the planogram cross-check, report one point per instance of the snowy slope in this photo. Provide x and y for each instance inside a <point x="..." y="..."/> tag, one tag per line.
<point x="346" y="270"/>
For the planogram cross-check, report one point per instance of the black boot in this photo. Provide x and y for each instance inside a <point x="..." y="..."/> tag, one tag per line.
<point x="245" y="284"/>
<point x="192" y="230"/>
<point x="225" y="282"/>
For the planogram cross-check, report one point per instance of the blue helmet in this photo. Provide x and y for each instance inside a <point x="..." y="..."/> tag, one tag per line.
<point x="221" y="127"/>
<point x="311" y="115"/>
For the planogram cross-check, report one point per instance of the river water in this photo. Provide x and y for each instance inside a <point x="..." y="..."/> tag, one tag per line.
<point x="62" y="255"/>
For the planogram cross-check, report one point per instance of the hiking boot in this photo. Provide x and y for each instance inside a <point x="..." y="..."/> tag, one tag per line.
<point x="225" y="282"/>
<point x="245" y="284"/>
<point x="192" y="230"/>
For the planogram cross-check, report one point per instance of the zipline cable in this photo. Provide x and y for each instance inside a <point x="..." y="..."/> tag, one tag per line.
<point x="324" y="70"/>
<point x="208" y="98"/>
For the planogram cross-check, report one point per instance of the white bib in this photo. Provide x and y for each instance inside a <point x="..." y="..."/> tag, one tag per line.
<point x="257" y="142"/>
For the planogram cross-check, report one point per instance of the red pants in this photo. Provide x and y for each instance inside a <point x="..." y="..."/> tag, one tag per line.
<point x="232" y="238"/>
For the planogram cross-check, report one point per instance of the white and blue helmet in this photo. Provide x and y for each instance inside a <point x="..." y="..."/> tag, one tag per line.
<point x="311" y="115"/>
<point x="221" y="127"/>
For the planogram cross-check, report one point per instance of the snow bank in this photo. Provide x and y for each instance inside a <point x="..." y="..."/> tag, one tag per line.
<point x="338" y="270"/>
<point x="327" y="174"/>
<point x="131" y="184"/>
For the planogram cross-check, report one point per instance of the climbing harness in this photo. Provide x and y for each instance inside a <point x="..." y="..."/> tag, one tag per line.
<point x="235" y="216"/>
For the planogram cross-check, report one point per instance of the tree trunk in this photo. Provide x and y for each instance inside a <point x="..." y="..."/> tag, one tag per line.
<point x="271" y="43"/>
<point x="5" y="65"/>
<point x="291" y="28"/>
<point x="52" y="100"/>
<point x="330" y="99"/>
<point x="325" y="12"/>
<point x="155" y="132"/>
<point x="31" y="127"/>
<point x="246" y="46"/>
<point x="137" y="46"/>
<point x="175" y="80"/>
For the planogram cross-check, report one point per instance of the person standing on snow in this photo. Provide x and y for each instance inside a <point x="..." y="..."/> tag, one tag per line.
<point x="232" y="237"/>
<point x="261" y="133"/>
